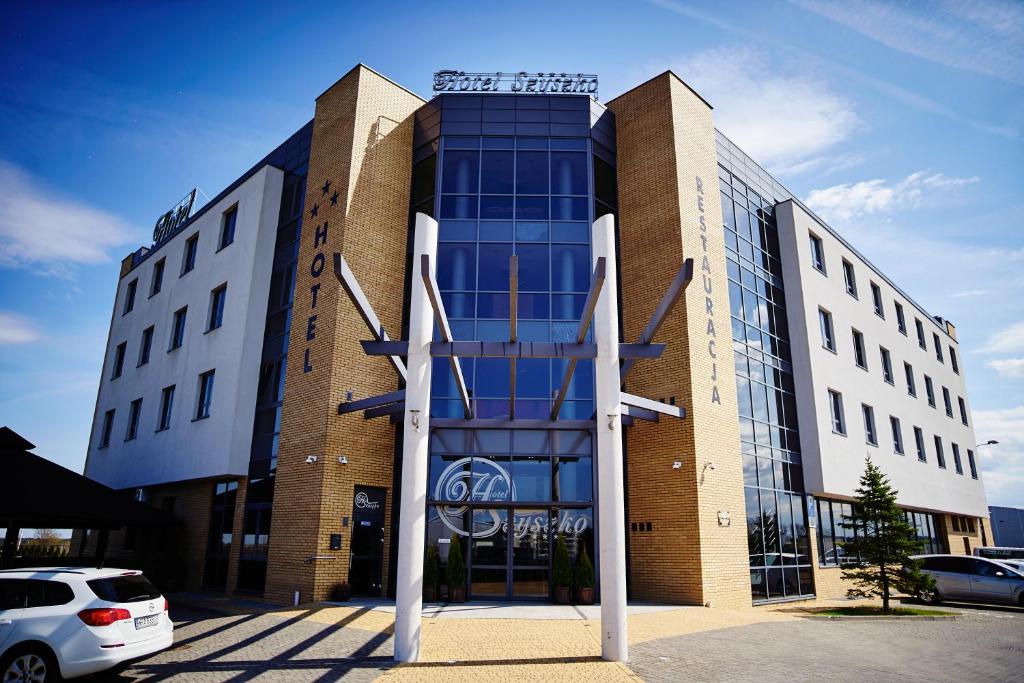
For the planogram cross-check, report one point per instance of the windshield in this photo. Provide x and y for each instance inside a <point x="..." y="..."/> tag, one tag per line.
<point x="130" y="588"/>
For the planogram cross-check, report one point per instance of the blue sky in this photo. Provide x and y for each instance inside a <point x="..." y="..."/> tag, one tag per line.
<point x="902" y="124"/>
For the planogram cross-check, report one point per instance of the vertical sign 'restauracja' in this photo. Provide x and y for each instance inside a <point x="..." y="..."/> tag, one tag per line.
<point x="709" y="305"/>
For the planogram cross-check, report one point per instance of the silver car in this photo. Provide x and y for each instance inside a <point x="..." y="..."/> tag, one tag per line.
<point x="962" y="577"/>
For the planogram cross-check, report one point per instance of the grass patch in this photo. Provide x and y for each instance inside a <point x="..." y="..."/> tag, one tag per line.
<point x="874" y="611"/>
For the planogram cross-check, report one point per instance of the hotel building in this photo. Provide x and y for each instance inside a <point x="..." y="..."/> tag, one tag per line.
<point x="249" y="385"/>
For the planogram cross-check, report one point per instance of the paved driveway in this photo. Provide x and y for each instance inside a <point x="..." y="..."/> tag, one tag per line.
<point x="354" y="644"/>
<point x="986" y="644"/>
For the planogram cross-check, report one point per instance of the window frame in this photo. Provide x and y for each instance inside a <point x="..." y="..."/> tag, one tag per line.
<point x="870" y="428"/>
<point x="117" y="369"/>
<point x="929" y="391"/>
<point x="230" y="213"/>
<point x="218" y="300"/>
<point x="204" y="395"/>
<point x="850" y="279"/>
<point x="908" y="372"/>
<point x="190" y="254"/>
<point x="940" y="454"/>
<point x="166" y="408"/>
<point x="972" y="464"/>
<point x="860" y="352"/>
<point x="921" y="340"/>
<point x="146" y="346"/>
<point x="947" y="401"/>
<point x="958" y="464"/>
<point x="156" y="278"/>
<point x="130" y="291"/>
<point x="876" y="300"/>
<point x="817" y="253"/>
<point x="836" y="412"/>
<point x="107" y="428"/>
<point x="937" y="341"/>
<point x="178" y="341"/>
<point x="901" y="318"/>
<point x="963" y="410"/>
<point x="134" y="417"/>
<point x="897" y="435"/>
<point x="887" y="374"/>
<point x="828" y="336"/>
<point x="919" y="444"/>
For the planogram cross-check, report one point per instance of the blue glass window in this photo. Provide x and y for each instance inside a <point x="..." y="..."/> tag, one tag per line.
<point x="494" y="267"/>
<point x="460" y="174"/>
<point x="533" y="267"/>
<point x="495" y="207"/>
<point x="568" y="173"/>
<point x="570" y="268"/>
<point x="456" y="266"/>
<point x="531" y="172"/>
<point x="532" y="208"/>
<point x="498" y="175"/>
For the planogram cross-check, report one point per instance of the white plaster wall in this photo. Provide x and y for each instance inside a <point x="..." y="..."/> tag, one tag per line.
<point x="218" y="445"/>
<point x="833" y="463"/>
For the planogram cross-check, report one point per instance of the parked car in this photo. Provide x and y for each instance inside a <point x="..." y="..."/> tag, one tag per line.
<point x="64" y="622"/>
<point x="976" y="579"/>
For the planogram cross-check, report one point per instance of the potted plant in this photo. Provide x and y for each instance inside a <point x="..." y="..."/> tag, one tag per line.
<point x="340" y="592"/>
<point x="562" y="573"/>
<point x="431" y="574"/>
<point x="456" y="572"/>
<point x="584" y="579"/>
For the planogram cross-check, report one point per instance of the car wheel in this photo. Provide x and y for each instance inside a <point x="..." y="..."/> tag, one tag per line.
<point x="29" y="665"/>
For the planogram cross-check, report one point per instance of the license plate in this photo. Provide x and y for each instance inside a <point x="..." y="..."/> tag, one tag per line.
<point x="144" y="622"/>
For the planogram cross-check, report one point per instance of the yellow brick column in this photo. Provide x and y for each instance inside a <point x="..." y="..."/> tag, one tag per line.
<point x="696" y="551"/>
<point x="357" y="203"/>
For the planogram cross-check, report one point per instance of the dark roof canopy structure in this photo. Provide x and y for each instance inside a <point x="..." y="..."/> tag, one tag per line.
<point x="38" y="494"/>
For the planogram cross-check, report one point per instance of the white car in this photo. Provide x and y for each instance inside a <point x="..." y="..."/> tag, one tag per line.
<point x="64" y="622"/>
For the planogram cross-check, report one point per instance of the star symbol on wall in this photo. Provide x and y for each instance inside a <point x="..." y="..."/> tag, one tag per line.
<point x="334" y="198"/>
<point x="326" y="188"/>
<point x="312" y="212"/>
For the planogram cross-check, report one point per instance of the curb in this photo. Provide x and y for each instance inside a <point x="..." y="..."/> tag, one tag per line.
<point x="879" y="617"/>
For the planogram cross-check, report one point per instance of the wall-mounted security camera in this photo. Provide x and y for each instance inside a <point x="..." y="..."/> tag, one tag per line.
<point x="310" y="459"/>
<point x="342" y="460"/>
<point x="711" y="465"/>
<point x="677" y="465"/>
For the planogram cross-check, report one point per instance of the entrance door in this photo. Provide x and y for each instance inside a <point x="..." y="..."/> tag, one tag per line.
<point x="510" y="555"/>
<point x="367" y="552"/>
<point x="530" y="553"/>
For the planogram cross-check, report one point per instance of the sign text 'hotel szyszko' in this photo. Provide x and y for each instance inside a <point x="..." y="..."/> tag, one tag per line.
<point x="450" y="80"/>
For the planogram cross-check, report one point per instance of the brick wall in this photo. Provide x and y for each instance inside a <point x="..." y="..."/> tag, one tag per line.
<point x="362" y="147"/>
<point x="665" y="138"/>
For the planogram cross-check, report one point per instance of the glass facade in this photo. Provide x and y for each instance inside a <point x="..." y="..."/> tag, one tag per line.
<point x="504" y="176"/>
<point x="293" y="158"/>
<point x="832" y="514"/>
<point x="779" y="542"/>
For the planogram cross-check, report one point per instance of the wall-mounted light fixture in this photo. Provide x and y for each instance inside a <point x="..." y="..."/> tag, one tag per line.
<point x="342" y="460"/>
<point x="677" y="465"/>
<point x="415" y="419"/>
<point x="611" y="421"/>
<point x="310" y="459"/>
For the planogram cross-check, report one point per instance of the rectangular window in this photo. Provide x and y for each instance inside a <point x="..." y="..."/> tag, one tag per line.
<point x="971" y="465"/>
<point x="938" y="348"/>
<point x="178" y="329"/>
<point x="860" y="356"/>
<point x="817" y="253"/>
<point x="166" y="404"/>
<point x="947" y="401"/>
<point x="939" y="455"/>
<point x="886" y="365"/>
<point x="963" y="409"/>
<point x="851" y="278"/>
<point x="953" y="362"/>
<point x="957" y="464"/>
<point x="828" y="340"/>
<point x="146" y="346"/>
<point x="157" y="282"/>
<point x="835" y="402"/>
<point x="955" y="521"/>
<point x="870" y="435"/>
<point x="133" y="419"/>
<point x="920" y="334"/>
<point x="901" y="320"/>
<point x="897" y="434"/>
<point x="876" y="299"/>
<point x="205" y="395"/>
<point x="129" y="296"/>
<point x="929" y="390"/>
<point x="227" y="227"/>
<point x="919" y="442"/>
<point x="188" y="259"/>
<point x="108" y="427"/>
<point x="908" y="370"/>
<point x="217" y="298"/>
<point x="118" y="368"/>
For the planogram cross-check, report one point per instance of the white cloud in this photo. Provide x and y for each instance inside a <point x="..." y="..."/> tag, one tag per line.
<point x="15" y="329"/>
<point x="1007" y="340"/>
<point x="848" y="200"/>
<point x="42" y="230"/>
<point x="982" y="36"/>
<point x="970" y="292"/>
<point x="1008" y="367"/>
<point x="1002" y="465"/>
<point x="807" y="116"/>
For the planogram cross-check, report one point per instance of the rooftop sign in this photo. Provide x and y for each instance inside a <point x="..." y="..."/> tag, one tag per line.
<point x="174" y="219"/>
<point x="450" y="80"/>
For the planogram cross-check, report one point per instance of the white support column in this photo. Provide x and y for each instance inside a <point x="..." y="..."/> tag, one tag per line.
<point x="412" y="526"/>
<point x="611" y="505"/>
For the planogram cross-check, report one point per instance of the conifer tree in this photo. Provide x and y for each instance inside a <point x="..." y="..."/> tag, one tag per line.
<point x="884" y="543"/>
